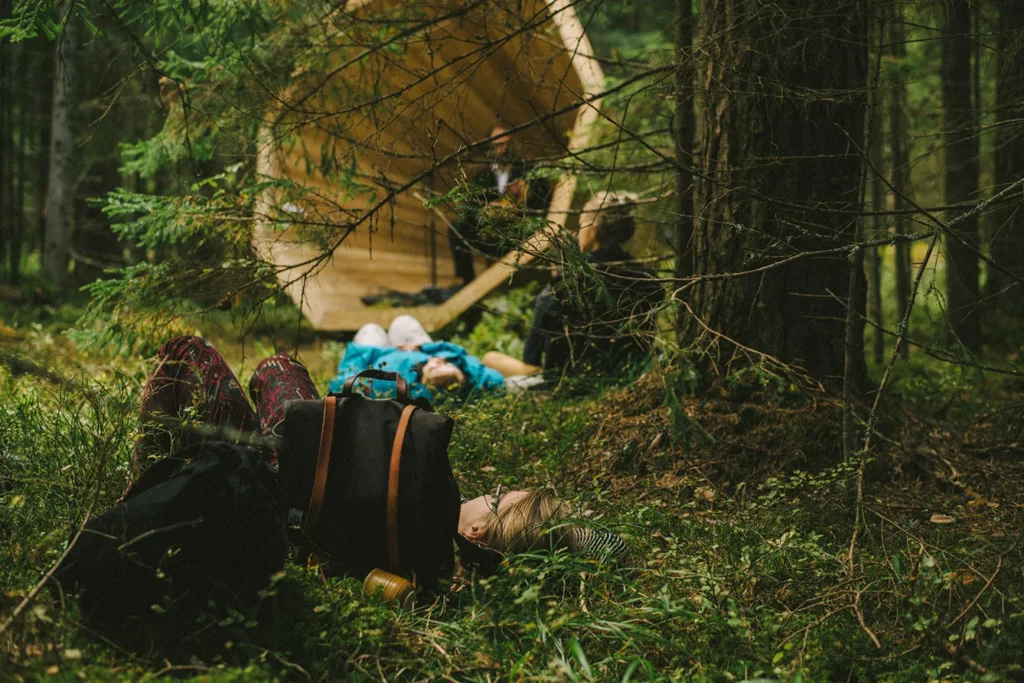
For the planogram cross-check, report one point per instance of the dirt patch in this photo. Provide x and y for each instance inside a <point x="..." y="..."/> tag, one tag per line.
<point x="702" y="447"/>
<point x="643" y="430"/>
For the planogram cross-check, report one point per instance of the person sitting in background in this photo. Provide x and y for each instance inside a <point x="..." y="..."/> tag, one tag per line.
<point x="433" y="369"/>
<point x="498" y="189"/>
<point x="570" y="325"/>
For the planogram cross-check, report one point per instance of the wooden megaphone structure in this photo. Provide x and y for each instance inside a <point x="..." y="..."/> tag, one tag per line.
<point x="396" y="115"/>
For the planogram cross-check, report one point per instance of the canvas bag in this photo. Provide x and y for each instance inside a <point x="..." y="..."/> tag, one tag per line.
<point x="369" y="483"/>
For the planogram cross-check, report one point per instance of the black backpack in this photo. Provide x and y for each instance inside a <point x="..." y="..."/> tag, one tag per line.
<point x="370" y="483"/>
<point x="185" y="533"/>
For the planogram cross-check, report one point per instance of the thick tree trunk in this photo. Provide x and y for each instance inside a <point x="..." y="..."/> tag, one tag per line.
<point x="961" y="171"/>
<point x="783" y="105"/>
<point x="61" y="186"/>
<point x="900" y="178"/>
<point x="684" y="144"/>
<point x="1007" y="246"/>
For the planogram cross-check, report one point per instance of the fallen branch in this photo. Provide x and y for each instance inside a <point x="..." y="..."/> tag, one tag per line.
<point x="970" y="606"/>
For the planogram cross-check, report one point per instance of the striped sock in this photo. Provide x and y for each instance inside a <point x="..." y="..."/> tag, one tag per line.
<point x="596" y="543"/>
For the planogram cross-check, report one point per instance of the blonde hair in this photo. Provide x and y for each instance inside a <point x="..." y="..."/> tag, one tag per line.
<point x="525" y="524"/>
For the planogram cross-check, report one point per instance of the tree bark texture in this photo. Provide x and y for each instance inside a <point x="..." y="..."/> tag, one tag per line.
<point x="784" y="99"/>
<point x="961" y="171"/>
<point x="61" y="185"/>
<point x="6" y="139"/>
<point x="898" y="143"/>
<point x="684" y="134"/>
<point x="44" y="113"/>
<point x="19" y="162"/>
<point x="878" y="223"/>
<point x="1007" y="245"/>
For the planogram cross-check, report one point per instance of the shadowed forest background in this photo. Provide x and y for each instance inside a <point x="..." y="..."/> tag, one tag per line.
<point x="818" y="462"/>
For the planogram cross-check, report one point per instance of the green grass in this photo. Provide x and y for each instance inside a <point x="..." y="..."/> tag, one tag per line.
<point x="732" y="576"/>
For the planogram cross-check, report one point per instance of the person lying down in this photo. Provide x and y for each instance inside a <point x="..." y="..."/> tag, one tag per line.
<point x="435" y="370"/>
<point x="521" y="521"/>
<point x="192" y="380"/>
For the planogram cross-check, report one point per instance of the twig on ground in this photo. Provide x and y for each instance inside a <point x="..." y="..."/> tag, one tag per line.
<point x="860" y="618"/>
<point x="968" y="661"/>
<point x="290" y="665"/>
<point x="938" y="549"/>
<point x="180" y="668"/>
<point x="972" y="603"/>
<point x="873" y="415"/>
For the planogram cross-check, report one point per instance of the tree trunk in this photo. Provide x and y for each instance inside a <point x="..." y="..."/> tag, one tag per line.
<point x="878" y="223"/>
<point x="44" y="113"/>
<point x="61" y="186"/>
<point x="1007" y="246"/>
<point x="900" y="165"/>
<point x="783" y="105"/>
<point x="19" y="160"/>
<point x="684" y="144"/>
<point x="961" y="171"/>
<point x="6" y="139"/>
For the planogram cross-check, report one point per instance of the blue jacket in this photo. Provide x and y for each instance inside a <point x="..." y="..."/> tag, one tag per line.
<point x="408" y="363"/>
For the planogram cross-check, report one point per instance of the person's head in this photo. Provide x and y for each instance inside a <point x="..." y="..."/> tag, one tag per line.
<point x="517" y="522"/>
<point x="439" y="373"/>
<point x="501" y="141"/>
<point x="606" y="220"/>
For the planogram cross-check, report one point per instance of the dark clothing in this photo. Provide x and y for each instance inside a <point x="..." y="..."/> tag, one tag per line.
<point x="207" y="530"/>
<point x="547" y="316"/>
<point x="468" y="235"/>
<point x="193" y="382"/>
<point x="428" y="296"/>
<point x="581" y="323"/>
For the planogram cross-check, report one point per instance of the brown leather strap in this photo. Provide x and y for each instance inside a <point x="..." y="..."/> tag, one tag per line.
<point x="393" y="472"/>
<point x="401" y="386"/>
<point x="323" y="462"/>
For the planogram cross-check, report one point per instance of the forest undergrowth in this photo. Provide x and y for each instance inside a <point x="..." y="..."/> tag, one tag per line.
<point x="732" y="491"/>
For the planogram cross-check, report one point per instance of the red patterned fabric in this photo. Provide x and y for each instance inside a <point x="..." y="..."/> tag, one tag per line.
<point x="276" y="380"/>
<point x="193" y="383"/>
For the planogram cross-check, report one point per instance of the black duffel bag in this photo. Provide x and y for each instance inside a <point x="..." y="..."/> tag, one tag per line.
<point x="185" y="534"/>
<point x="371" y="483"/>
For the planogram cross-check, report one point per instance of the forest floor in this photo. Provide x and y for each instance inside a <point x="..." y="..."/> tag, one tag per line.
<point x="733" y="493"/>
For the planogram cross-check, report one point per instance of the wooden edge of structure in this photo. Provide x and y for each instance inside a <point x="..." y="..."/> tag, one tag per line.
<point x="574" y="39"/>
